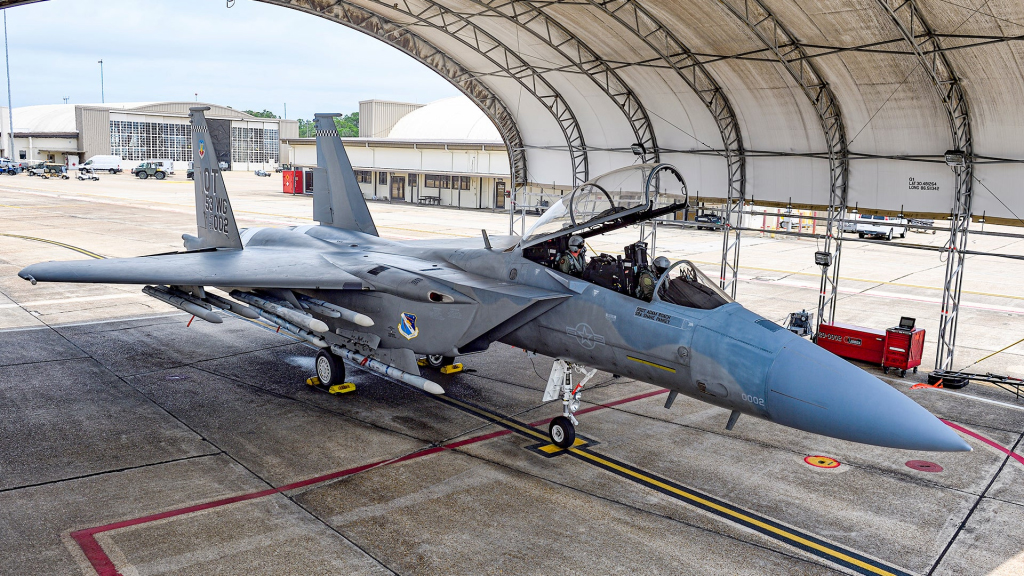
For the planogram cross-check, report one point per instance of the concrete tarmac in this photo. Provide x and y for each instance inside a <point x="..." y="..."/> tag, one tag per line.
<point x="131" y="443"/>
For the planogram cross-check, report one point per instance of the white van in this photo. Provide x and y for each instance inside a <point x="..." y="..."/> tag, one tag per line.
<point x="884" y="226"/>
<point x="102" y="162"/>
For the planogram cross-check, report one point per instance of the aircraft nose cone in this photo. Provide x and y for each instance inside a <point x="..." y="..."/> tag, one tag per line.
<point x="813" y="390"/>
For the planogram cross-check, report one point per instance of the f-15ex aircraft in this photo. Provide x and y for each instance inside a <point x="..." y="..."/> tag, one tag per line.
<point x="382" y="304"/>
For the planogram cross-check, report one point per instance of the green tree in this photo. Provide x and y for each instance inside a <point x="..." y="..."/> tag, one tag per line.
<point x="307" y="128"/>
<point x="348" y="125"/>
<point x="264" y="114"/>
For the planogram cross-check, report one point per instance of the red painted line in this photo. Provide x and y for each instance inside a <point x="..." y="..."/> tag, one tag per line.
<point x="991" y="443"/>
<point x="104" y="566"/>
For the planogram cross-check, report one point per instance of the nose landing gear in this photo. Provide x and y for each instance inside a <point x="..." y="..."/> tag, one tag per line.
<point x="563" y="428"/>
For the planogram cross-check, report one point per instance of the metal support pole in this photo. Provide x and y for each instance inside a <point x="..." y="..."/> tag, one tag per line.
<point x="955" y="257"/>
<point x="10" y="108"/>
<point x="103" y="96"/>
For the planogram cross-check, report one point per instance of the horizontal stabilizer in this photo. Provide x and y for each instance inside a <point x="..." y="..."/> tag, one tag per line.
<point x="255" y="267"/>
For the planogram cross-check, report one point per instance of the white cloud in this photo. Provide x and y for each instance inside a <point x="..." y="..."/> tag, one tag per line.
<point x="251" y="56"/>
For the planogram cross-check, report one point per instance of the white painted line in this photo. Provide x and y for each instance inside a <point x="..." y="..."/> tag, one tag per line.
<point x="79" y="299"/>
<point x="111" y="321"/>
<point x="979" y="399"/>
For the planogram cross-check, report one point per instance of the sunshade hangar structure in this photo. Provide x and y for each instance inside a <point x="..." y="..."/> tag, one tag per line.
<point x="810" y="103"/>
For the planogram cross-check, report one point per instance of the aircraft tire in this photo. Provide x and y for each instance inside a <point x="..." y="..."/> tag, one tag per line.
<point x="329" y="368"/>
<point x="439" y="361"/>
<point x="562" y="432"/>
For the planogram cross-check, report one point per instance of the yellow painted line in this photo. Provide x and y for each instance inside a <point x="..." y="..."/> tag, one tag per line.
<point x="54" y="242"/>
<point x="496" y="419"/>
<point x="665" y="368"/>
<point x="730" y="512"/>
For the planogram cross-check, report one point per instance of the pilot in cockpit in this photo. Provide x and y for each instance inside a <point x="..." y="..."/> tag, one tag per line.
<point x="648" y="278"/>
<point x="573" y="260"/>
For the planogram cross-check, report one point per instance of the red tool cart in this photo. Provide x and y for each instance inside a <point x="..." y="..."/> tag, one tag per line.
<point x="293" y="181"/>
<point x="904" y="346"/>
<point x="854" y="342"/>
<point x="898" y="348"/>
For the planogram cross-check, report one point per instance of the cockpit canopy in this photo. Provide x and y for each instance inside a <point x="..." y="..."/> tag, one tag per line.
<point x="683" y="284"/>
<point x="608" y="197"/>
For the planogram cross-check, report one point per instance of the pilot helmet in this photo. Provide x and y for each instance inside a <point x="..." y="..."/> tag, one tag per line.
<point x="661" y="264"/>
<point x="575" y="243"/>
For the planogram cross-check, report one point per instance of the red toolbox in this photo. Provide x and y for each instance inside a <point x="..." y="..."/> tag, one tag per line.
<point x="293" y="182"/>
<point x="904" y="346"/>
<point x="855" y="342"/>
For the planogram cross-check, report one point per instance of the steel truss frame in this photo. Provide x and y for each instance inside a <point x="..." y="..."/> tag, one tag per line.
<point x="915" y="30"/>
<point x="634" y="17"/>
<point x="461" y="28"/>
<point x="429" y="55"/>
<point x="767" y="27"/>
<point x="583" y="59"/>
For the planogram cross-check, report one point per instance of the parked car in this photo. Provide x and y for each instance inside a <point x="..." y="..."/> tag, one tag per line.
<point x="147" y="169"/>
<point x="876" y="225"/>
<point x="922" y="225"/>
<point x="166" y="165"/>
<point x="708" y="218"/>
<point x="36" y="169"/>
<point x="100" y="162"/>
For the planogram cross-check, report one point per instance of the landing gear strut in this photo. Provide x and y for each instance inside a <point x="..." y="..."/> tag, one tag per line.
<point x="563" y="428"/>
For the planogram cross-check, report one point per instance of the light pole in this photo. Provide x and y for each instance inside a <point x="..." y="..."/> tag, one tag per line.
<point x="103" y="97"/>
<point x="10" y="110"/>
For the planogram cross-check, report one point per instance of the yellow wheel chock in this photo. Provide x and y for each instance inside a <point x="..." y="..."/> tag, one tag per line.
<point x="342" y="388"/>
<point x="451" y="369"/>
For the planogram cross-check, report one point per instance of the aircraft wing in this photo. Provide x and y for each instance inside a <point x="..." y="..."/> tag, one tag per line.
<point x="255" y="267"/>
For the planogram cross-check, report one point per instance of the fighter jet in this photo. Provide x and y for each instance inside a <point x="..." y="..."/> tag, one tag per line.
<point x="383" y="304"/>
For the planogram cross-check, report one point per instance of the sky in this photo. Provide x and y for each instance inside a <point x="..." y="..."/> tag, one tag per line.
<point x="252" y="56"/>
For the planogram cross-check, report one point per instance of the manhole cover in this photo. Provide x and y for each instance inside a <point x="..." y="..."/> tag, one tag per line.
<point x="822" y="462"/>
<point x="924" y="466"/>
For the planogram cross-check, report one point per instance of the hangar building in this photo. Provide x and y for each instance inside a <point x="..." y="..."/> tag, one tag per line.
<point x="446" y="153"/>
<point x="141" y="131"/>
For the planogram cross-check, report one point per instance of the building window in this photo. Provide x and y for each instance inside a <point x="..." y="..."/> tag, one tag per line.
<point x="364" y="176"/>
<point x="22" y="155"/>
<point x="464" y="182"/>
<point x="413" y="180"/>
<point x="382" y="178"/>
<point x="254" y="145"/>
<point x="146" y="140"/>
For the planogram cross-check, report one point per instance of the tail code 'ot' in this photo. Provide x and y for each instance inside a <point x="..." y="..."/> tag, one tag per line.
<point x="214" y="217"/>
<point x="337" y="199"/>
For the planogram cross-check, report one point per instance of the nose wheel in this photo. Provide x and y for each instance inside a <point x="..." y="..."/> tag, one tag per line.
<point x="563" y="428"/>
<point x="562" y="432"/>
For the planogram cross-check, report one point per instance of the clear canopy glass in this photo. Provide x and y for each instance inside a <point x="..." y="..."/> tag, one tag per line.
<point x="684" y="284"/>
<point x="633" y="188"/>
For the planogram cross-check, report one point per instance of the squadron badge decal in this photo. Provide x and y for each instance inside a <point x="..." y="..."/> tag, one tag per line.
<point x="202" y="148"/>
<point x="408" y="327"/>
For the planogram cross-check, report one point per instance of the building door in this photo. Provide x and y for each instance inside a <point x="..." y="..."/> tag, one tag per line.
<point x="398" y="188"/>
<point x="499" y="194"/>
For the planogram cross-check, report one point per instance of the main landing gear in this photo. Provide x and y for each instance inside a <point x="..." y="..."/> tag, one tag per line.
<point x="562" y="429"/>
<point x="329" y="368"/>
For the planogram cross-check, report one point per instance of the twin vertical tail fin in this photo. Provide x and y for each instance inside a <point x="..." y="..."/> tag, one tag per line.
<point x="214" y="217"/>
<point x="337" y="199"/>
